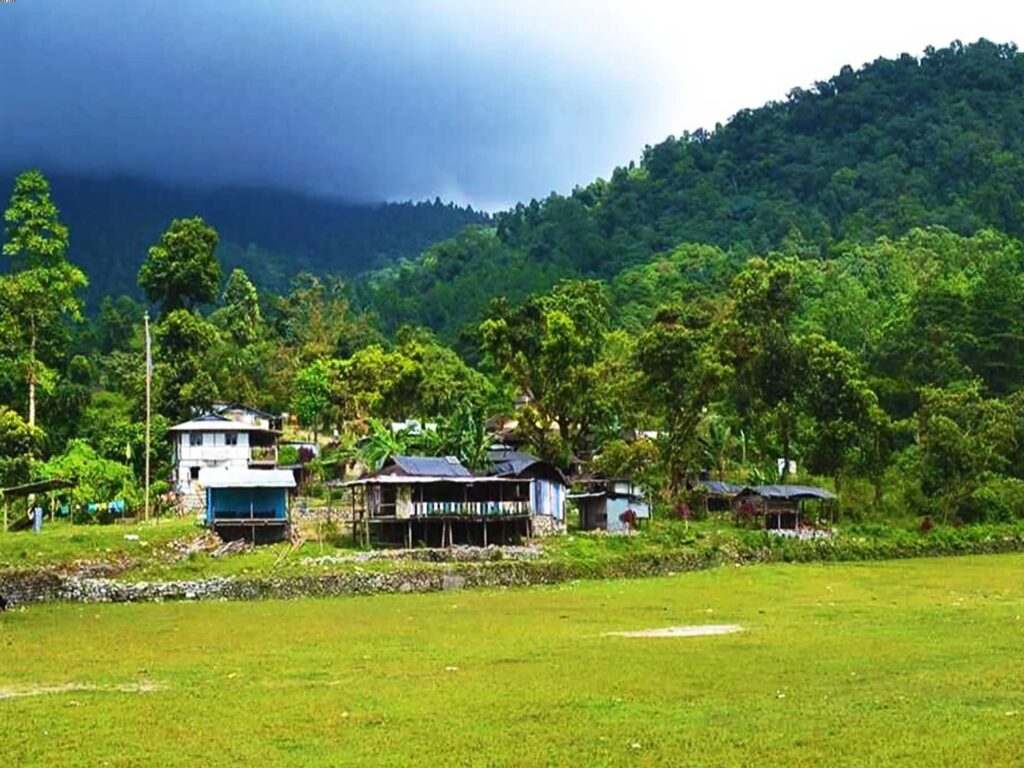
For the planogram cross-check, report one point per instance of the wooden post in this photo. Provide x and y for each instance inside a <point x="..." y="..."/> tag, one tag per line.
<point x="149" y="400"/>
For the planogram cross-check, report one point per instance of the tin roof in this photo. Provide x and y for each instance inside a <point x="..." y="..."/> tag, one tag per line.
<point x="789" y="492"/>
<point x="426" y="466"/>
<point x="222" y="477"/>
<point x="721" y="488"/>
<point x="507" y="462"/>
<point x="211" y="422"/>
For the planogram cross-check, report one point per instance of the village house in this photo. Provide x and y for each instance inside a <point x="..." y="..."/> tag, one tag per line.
<point x="236" y="438"/>
<point x="437" y="501"/>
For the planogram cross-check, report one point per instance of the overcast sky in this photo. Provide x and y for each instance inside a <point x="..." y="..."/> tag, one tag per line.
<point x="480" y="102"/>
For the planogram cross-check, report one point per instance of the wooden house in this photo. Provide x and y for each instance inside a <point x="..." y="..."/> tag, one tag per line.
<point x="436" y="501"/>
<point x="548" y="487"/>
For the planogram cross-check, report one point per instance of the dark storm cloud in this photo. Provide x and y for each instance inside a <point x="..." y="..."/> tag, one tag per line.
<point x="363" y="100"/>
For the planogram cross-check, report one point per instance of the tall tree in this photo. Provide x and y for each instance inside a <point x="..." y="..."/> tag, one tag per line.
<point x="240" y="315"/>
<point x="548" y="349"/>
<point x="768" y="361"/>
<point x="181" y="270"/>
<point x="183" y="385"/>
<point x="682" y="367"/>
<point x="43" y="290"/>
<point x="839" y="403"/>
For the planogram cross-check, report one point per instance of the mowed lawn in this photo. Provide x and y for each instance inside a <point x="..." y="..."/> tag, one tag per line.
<point x="897" y="663"/>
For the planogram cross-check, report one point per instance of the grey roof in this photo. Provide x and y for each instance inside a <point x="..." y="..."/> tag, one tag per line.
<point x="790" y="492"/>
<point x="211" y="422"/>
<point x="507" y="462"/>
<point x="218" y="477"/>
<point x="721" y="488"/>
<point x="428" y="466"/>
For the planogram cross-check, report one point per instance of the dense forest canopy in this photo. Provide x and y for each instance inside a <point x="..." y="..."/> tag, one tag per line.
<point x="836" y="280"/>
<point x="272" y="234"/>
<point x="910" y="142"/>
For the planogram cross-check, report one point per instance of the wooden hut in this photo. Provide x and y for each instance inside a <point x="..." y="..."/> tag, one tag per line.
<point x="781" y="506"/>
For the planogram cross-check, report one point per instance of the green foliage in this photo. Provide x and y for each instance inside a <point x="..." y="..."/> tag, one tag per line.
<point x="35" y="235"/>
<point x="19" y="443"/>
<point x="311" y="394"/>
<point x="181" y="270"/>
<point x="682" y="366"/>
<point x="240" y="314"/>
<point x="182" y="384"/>
<point x="548" y="350"/>
<point x="964" y="439"/>
<point x="43" y="290"/>
<point x="97" y="480"/>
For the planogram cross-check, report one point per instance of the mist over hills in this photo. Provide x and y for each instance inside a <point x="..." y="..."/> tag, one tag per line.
<point x="273" y="234"/>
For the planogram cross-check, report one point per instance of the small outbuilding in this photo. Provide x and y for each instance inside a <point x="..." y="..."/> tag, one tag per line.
<point x="248" y="503"/>
<point x="783" y="507"/>
<point x="718" y="494"/>
<point x="611" y="505"/>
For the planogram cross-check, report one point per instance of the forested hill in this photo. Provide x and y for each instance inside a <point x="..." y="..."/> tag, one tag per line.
<point x="897" y="144"/>
<point x="273" y="234"/>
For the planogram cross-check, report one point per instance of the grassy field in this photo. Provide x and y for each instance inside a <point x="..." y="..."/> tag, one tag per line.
<point x="61" y="542"/>
<point x="917" y="662"/>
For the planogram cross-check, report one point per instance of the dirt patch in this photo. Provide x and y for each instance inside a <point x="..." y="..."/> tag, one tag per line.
<point x="47" y="690"/>
<point x="696" y="630"/>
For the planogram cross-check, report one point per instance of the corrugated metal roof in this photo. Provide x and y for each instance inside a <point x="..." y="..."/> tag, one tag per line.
<point x="428" y="466"/>
<point x="211" y="422"/>
<point x="220" y="477"/>
<point x="792" y="492"/>
<point x="424" y="480"/>
<point x="721" y="488"/>
<point x="508" y="462"/>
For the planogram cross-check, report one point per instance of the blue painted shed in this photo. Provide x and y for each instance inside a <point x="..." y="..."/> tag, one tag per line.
<point x="247" y="502"/>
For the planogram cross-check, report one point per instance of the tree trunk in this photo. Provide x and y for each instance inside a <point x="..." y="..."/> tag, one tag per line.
<point x="785" y="454"/>
<point x="32" y="378"/>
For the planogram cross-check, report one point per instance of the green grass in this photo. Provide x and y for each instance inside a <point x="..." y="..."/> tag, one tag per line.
<point x="61" y="542"/>
<point x="912" y="662"/>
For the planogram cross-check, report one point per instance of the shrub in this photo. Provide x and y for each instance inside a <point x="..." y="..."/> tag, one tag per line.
<point x="998" y="501"/>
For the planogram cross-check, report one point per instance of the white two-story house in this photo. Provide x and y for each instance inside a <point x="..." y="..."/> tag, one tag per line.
<point x="215" y="441"/>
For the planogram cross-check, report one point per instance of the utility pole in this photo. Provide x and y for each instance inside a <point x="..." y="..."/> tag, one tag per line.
<point x="149" y="387"/>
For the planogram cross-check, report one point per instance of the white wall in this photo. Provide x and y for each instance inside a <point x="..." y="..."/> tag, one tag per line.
<point x="214" y="452"/>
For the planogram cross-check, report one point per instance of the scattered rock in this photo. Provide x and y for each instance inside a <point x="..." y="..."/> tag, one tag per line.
<point x="450" y="581"/>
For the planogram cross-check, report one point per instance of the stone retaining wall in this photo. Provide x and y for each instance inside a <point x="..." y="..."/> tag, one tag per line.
<point x="47" y="585"/>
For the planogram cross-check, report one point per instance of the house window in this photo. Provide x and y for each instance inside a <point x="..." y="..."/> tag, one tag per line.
<point x="195" y="438"/>
<point x="193" y="473"/>
<point x="231" y="438"/>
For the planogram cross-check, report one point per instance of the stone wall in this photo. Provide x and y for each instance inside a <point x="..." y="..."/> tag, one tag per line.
<point x="478" y="568"/>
